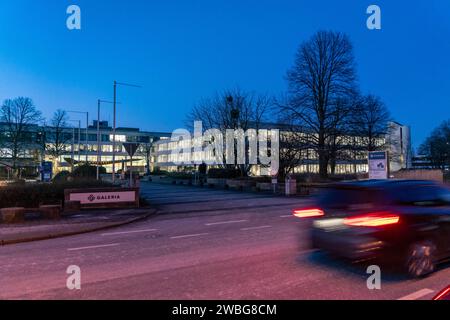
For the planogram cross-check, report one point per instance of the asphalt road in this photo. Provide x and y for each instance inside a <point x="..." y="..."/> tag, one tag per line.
<point x="204" y="244"/>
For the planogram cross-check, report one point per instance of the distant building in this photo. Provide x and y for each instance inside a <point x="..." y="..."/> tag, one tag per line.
<point x="81" y="146"/>
<point x="399" y="145"/>
<point x="353" y="158"/>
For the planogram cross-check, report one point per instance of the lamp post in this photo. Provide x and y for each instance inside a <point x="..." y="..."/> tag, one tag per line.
<point x="99" y="157"/>
<point x="87" y="128"/>
<point x="73" y="141"/>
<point x="114" y="124"/>
<point x="73" y="149"/>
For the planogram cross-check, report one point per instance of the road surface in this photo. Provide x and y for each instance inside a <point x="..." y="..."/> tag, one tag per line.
<point x="204" y="244"/>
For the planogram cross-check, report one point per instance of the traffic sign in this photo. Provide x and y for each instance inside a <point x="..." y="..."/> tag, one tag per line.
<point x="131" y="148"/>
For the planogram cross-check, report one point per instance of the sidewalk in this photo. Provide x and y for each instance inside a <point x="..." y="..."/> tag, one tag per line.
<point x="73" y="224"/>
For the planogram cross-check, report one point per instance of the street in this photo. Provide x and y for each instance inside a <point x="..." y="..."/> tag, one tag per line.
<point x="203" y="244"/>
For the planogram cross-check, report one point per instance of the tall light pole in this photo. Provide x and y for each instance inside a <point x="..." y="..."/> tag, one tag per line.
<point x="73" y="141"/>
<point x="99" y="157"/>
<point x="73" y="149"/>
<point x="87" y="128"/>
<point x="114" y="124"/>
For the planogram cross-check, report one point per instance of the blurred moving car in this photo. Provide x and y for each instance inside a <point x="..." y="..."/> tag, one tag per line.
<point x="443" y="295"/>
<point x="403" y="222"/>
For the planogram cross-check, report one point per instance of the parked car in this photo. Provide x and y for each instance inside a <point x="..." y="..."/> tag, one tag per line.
<point x="402" y="222"/>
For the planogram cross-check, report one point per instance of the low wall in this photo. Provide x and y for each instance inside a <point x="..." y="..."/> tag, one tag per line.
<point x="216" y="182"/>
<point x="100" y="198"/>
<point x="240" y="184"/>
<point x="434" y="175"/>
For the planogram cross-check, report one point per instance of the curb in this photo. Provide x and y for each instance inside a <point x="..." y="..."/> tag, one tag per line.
<point x="73" y="233"/>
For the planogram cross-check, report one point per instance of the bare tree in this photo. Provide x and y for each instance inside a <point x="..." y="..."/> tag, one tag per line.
<point x="322" y="77"/>
<point x="370" y="122"/>
<point x="232" y="109"/>
<point x="146" y="150"/>
<point x="56" y="136"/>
<point x="437" y="146"/>
<point x="293" y="148"/>
<point x="17" y="116"/>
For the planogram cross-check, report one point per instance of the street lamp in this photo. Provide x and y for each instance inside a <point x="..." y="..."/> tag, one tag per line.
<point x="99" y="102"/>
<point x="73" y="141"/>
<point x="114" y="124"/>
<point x="87" y="128"/>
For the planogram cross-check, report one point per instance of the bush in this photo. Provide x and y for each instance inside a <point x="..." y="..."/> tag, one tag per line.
<point x="262" y="179"/>
<point x="224" y="173"/>
<point x="180" y="175"/>
<point x="158" y="172"/>
<point x="62" y="176"/>
<point x="86" y="171"/>
<point x="447" y="176"/>
<point x="32" y="195"/>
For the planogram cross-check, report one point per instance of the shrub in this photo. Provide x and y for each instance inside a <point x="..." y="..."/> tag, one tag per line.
<point x="180" y="175"/>
<point x="61" y="176"/>
<point x="224" y="173"/>
<point x="158" y="172"/>
<point x="32" y="195"/>
<point x="263" y="179"/>
<point x="86" y="171"/>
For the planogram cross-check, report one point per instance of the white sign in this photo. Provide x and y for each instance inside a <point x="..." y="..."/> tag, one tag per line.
<point x="104" y="197"/>
<point x="378" y="165"/>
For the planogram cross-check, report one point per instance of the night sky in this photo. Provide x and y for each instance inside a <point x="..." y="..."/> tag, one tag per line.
<point x="182" y="50"/>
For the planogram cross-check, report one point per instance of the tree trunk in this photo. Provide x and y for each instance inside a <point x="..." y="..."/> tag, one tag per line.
<point x="323" y="160"/>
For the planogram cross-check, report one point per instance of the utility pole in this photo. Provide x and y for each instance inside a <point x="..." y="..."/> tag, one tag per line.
<point x="114" y="124"/>
<point x="99" y="156"/>
<point x="87" y="134"/>
<point x="98" y="140"/>
<point x="79" y="140"/>
<point x="73" y="141"/>
<point x="114" y="133"/>
<point x="73" y="148"/>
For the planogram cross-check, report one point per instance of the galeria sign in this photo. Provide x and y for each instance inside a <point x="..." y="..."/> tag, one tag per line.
<point x="104" y="197"/>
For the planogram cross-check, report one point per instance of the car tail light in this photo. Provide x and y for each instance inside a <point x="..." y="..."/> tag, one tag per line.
<point x="377" y="219"/>
<point x="308" y="213"/>
<point x="443" y="295"/>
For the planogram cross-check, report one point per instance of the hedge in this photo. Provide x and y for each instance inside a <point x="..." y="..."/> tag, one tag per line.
<point x="180" y="175"/>
<point x="224" y="173"/>
<point x="33" y="195"/>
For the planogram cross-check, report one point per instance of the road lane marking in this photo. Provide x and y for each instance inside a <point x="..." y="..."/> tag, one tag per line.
<point x="417" y="295"/>
<point x="287" y="216"/>
<point x="224" y="222"/>
<point x="94" y="247"/>
<point x="255" y="228"/>
<point x="128" y="232"/>
<point x="189" y="236"/>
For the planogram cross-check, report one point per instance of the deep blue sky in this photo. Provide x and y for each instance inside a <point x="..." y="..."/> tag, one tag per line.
<point x="182" y="50"/>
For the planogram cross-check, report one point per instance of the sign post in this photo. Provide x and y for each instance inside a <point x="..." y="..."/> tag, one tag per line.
<point x="131" y="149"/>
<point x="379" y="165"/>
<point x="46" y="171"/>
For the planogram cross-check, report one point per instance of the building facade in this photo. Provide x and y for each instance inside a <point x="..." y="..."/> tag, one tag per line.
<point x="68" y="147"/>
<point x="156" y="150"/>
<point x="352" y="158"/>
